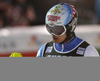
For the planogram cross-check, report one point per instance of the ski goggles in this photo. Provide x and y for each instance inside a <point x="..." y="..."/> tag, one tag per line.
<point x="56" y="30"/>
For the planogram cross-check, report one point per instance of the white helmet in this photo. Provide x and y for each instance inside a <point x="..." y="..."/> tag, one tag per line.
<point x="61" y="18"/>
<point x="62" y="14"/>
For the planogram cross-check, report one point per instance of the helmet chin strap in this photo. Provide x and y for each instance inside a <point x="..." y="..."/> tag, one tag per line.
<point x="69" y="38"/>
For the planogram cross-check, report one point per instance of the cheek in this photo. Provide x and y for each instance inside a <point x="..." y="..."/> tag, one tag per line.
<point x="62" y="38"/>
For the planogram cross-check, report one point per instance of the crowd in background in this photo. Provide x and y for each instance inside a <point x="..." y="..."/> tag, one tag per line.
<point x="29" y="12"/>
<point x="16" y="13"/>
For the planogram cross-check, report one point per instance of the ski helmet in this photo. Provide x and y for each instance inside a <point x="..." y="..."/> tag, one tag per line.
<point x="62" y="14"/>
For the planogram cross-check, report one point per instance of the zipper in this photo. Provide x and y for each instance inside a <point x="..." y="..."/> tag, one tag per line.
<point x="62" y="48"/>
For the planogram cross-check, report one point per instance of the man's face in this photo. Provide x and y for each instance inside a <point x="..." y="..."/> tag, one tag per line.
<point x="58" y="39"/>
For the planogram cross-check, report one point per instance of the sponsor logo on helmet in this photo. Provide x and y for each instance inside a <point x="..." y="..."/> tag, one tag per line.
<point x="56" y="10"/>
<point x="53" y="18"/>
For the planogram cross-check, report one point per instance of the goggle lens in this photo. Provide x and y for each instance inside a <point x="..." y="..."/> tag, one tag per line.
<point x="56" y="30"/>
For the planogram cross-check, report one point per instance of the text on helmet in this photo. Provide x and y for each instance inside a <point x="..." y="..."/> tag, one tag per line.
<point x="53" y="18"/>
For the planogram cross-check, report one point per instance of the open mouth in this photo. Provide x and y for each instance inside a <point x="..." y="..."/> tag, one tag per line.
<point x="55" y="38"/>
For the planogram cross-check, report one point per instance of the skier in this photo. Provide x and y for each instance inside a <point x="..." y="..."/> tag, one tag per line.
<point x="61" y="21"/>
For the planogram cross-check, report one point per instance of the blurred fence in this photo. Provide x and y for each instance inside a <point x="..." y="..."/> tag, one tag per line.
<point x="28" y="40"/>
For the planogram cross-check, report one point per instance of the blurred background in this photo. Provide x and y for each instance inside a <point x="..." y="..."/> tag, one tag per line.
<point x="22" y="24"/>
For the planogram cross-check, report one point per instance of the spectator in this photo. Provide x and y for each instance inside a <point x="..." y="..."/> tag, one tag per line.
<point x="31" y="16"/>
<point x="16" y="13"/>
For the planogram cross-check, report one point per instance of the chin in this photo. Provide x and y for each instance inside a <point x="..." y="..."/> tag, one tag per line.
<point x="56" y="41"/>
